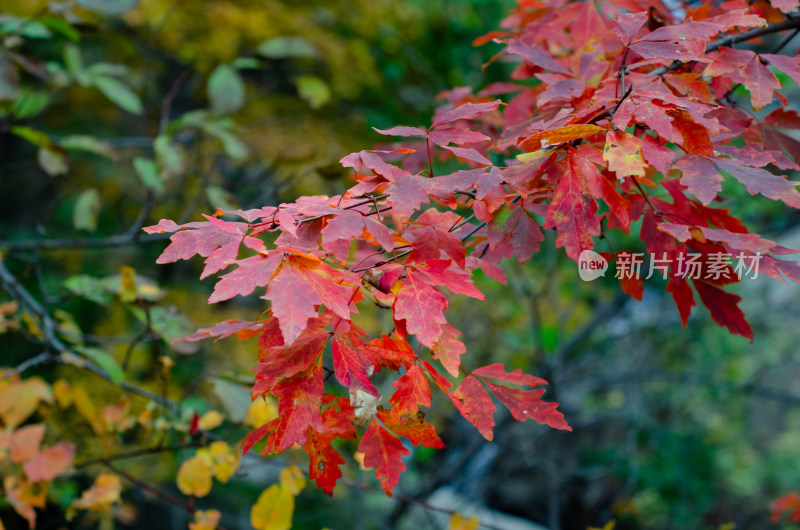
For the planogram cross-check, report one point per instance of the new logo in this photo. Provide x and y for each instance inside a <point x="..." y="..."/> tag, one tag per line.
<point x="591" y="265"/>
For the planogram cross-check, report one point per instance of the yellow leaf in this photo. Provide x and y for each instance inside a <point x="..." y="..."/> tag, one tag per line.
<point x="460" y="522"/>
<point x="205" y="520"/>
<point x="103" y="493"/>
<point x="623" y="152"/>
<point x="261" y="412"/>
<point x="24" y="497"/>
<point x="145" y="418"/>
<point x="194" y="477"/>
<point x="222" y="462"/>
<point x="62" y="393"/>
<point x="535" y="156"/>
<point x="226" y="461"/>
<point x="85" y="406"/>
<point x="167" y="363"/>
<point x="293" y="479"/>
<point x="210" y="420"/>
<point x="273" y="510"/>
<point x="33" y="326"/>
<point x="359" y="457"/>
<point x="19" y="399"/>
<point x="608" y="526"/>
<point x="128" y="291"/>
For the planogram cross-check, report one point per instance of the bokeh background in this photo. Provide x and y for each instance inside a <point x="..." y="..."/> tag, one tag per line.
<point x="115" y="114"/>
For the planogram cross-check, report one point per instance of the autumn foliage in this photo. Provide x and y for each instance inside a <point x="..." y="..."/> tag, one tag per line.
<point x="618" y="116"/>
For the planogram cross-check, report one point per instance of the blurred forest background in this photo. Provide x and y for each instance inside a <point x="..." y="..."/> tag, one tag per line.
<point x="117" y="113"/>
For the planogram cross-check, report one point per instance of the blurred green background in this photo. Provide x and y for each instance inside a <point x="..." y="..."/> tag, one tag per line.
<point x="115" y="114"/>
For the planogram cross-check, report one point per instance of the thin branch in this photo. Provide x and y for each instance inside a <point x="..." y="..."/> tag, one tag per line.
<point x="120" y="240"/>
<point x="36" y="360"/>
<point x="791" y="23"/>
<point x="166" y="104"/>
<point x="399" y="497"/>
<point x="139" y="452"/>
<point x="161" y="494"/>
<point x="622" y="69"/>
<point x="59" y="351"/>
<point x="786" y="41"/>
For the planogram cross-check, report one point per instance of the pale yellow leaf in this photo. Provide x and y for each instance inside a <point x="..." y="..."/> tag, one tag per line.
<point x="19" y="399"/>
<point x="461" y="522"/>
<point x="210" y="420"/>
<point x="261" y="412"/>
<point x="194" y="477"/>
<point x="205" y="520"/>
<point x="293" y="479"/>
<point x="273" y="510"/>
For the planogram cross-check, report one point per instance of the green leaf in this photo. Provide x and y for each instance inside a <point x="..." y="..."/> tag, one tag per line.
<point x="221" y="198"/>
<point x="89" y="144"/>
<point x="73" y="61"/>
<point x="148" y="173"/>
<point x="113" y="8"/>
<point x="37" y="138"/>
<point x="313" y="89"/>
<point x="170" y="156"/>
<point x="194" y="118"/>
<point x="88" y="287"/>
<point x="107" y="69"/>
<point x="104" y="360"/>
<point x="246" y="63"/>
<point x="146" y="289"/>
<point x="61" y="26"/>
<point x="53" y="160"/>
<point x="171" y="325"/>
<point x="222" y="131"/>
<point x="9" y="81"/>
<point x="287" y="48"/>
<point x="29" y="103"/>
<point x="118" y="93"/>
<point x="225" y="90"/>
<point x="87" y="208"/>
<point x="25" y="27"/>
<point x="235" y="398"/>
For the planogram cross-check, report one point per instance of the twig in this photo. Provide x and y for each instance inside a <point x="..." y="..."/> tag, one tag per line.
<point x="59" y="351"/>
<point x="120" y="240"/>
<point x="139" y="452"/>
<point x="430" y="158"/>
<point x="792" y="23"/>
<point x="36" y="360"/>
<point x="786" y="41"/>
<point x="622" y="69"/>
<point x="168" y="99"/>
<point x="646" y="198"/>
<point x="161" y="494"/>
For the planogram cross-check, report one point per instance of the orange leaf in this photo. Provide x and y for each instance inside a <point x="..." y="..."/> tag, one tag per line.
<point x="559" y="136"/>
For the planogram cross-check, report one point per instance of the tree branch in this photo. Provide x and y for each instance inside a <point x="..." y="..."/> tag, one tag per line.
<point x="161" y="494"/>
<point x="120" y="240"/>
<point x="139" y="452"/>
<point x="791" y="23"/>
<point x="58" y="350"/>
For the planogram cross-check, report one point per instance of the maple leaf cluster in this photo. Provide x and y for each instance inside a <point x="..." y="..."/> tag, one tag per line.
<point x="618" y="112"/>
